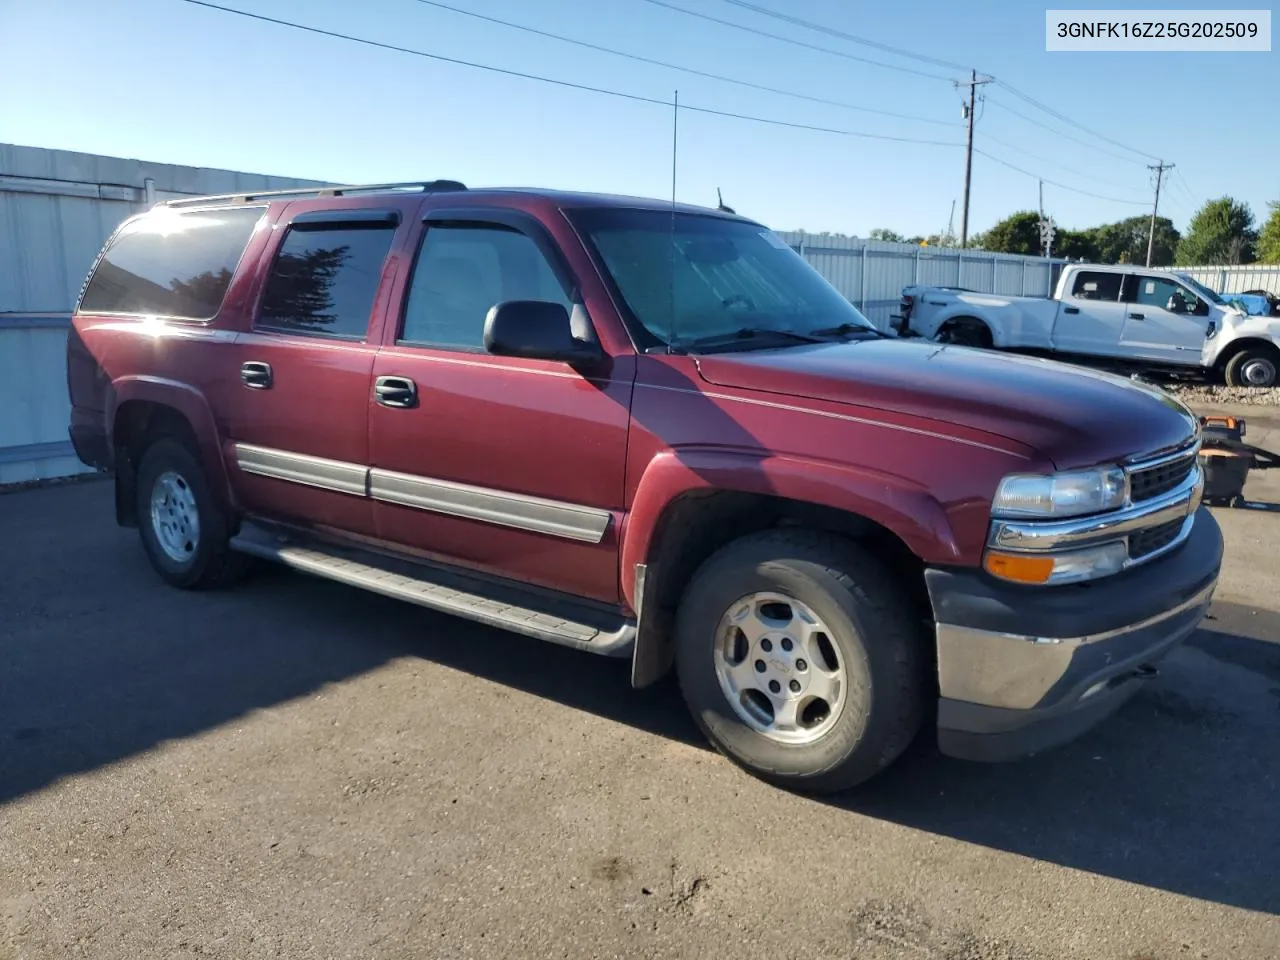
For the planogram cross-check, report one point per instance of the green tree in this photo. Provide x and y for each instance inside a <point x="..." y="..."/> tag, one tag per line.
<point x="1269" y="236"/>
<point x="1018" y="233"/>
<point x="883" y="233"/>
<point x="1126" y="241"/>
<point x="1076" y="244"/>
<point x="1221" y="233"/>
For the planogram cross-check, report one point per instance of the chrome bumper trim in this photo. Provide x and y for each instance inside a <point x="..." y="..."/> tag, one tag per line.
<point x="1022" y="672"/>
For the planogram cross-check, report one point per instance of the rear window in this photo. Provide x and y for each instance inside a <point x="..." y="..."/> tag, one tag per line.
<point x="170" y="264"/>
<point x="1097" y="286"/>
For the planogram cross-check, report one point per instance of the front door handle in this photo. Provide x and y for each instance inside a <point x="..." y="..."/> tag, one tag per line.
<point x="398" y="392"/>
<point x="1137" y="316"/>
<point x="1070" y="309"/>
<point x="255" y="374"/>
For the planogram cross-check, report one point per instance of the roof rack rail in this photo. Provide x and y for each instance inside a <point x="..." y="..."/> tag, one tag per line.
<point x="424" y="186"/>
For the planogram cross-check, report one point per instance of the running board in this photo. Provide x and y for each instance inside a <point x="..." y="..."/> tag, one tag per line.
<point x="556" y="619"/>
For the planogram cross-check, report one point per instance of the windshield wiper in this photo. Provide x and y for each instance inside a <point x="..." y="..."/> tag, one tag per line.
<point x="749" y="334"/>
<point x="845" y="329"/>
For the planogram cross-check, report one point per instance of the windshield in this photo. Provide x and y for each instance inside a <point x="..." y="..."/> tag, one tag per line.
<point x="693" y="278"/>
<point x="1199" y="288"/>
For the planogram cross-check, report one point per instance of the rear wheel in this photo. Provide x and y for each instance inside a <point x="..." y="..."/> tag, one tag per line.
<point x="185" y="532"/>
<point x="966" y="332"/>
<point x="1254" y="367"/>
<point x="801" y="660"/>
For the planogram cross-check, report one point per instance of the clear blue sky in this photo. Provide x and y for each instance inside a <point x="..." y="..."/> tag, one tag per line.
<point x="166" y="81"/>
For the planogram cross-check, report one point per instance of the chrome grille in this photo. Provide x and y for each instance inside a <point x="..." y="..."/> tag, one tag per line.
<point x="1146" y="483"/>
<point x="1146" y="542"/>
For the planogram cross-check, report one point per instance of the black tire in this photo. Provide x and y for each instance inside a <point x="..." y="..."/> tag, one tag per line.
<point x="871" y="625"/>
<point x="1245" y="363"/>
<point x="211" y="563"/>
<point x="966" y="332"/>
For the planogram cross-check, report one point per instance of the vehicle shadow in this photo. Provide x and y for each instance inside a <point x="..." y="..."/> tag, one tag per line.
<point x="1176" y="791"/>
<point x="99" y="661"/>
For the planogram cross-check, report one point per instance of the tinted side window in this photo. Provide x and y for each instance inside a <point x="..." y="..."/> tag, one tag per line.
<point x="171" y="264"/>
<point x="461" y="272"/>
<point x="1097" y="286"/>
<point x="1155" y="291"/>
<point x="325" y="279"/>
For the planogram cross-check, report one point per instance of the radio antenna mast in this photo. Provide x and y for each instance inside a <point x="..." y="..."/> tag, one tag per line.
<point x="671" y="265"/>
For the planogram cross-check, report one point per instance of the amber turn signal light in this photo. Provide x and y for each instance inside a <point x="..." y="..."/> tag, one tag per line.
<point x="1019" y="567"/>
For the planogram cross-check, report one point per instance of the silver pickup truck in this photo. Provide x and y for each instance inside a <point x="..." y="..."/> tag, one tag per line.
<point x="1146" y="318"/>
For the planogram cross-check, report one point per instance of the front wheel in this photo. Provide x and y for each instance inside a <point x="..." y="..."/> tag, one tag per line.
<point x="1254" y="367"/>
<point x="801" y="660"/>
<point x="185" y="532"/>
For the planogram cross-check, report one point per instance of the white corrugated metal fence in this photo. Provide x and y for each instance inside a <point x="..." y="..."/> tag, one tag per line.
<point x="57" y="208"/>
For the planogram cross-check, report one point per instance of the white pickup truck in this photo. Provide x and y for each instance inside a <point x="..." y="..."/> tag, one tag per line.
<point x="1122" y="314"/>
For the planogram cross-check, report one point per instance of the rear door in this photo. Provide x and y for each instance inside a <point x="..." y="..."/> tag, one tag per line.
<point x="1090" y="315"/>
<point x="297" y="423"/>
<point x="511" y="466"/>
<point x="1153" y="331"/>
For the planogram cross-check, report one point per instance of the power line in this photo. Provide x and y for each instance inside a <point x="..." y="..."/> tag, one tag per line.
<point x="1053" y="163"/>
<point x="853" y="38"/>
<point x="1067" y="120"/>
<point x="833" y="32"/>
<point x="636" y="98"/>
<point x="1067" y="136"/>
<point x="674" y="66"/>
<point x="796" y="43"/>
<point x="1061" y="186"/>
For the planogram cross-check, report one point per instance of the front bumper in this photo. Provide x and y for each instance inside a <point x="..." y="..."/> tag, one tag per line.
<point x="1023" y="669"/>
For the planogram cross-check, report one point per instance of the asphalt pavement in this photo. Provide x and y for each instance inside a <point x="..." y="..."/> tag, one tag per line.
<point x="296" y="769"/>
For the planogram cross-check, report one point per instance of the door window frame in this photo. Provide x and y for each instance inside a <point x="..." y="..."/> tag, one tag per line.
<point x="481" y="217"/>
<point x="317" y="219"/>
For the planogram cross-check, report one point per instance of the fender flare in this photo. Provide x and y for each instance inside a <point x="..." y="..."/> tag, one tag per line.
<point x="192" y="405"/>
<point x="900" y="505"/>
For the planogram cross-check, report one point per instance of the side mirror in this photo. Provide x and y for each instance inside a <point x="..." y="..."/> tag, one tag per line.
<point x="537" y="330"/>
<point x="1176" y="305"/>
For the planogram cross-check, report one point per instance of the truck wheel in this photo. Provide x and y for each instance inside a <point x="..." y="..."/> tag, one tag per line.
<point x="966" y="332"/>
<point x="1254" y="367"/>
<point x="184" y="531"/>
<point x="801" y="660"/>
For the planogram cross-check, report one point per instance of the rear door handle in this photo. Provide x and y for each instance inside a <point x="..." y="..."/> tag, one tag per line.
<point x="1137" y="316"/>
<point x="398" y="392"/>
<point x="256" y="374"/>
<point x="1070" y="309"/>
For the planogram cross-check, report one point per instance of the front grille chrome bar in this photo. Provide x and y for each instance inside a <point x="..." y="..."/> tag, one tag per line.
<point x="1041" y="536"/>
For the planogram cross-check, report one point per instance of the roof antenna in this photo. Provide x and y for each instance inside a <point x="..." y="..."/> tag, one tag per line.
<point x="671" y="265"/>
<point x="720" y="204"/>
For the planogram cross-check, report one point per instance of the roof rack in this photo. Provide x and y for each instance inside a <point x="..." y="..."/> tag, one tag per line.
<point x="423" y="186"/>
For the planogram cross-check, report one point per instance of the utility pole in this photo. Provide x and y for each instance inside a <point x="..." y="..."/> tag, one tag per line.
<point x="973" y="83"/>
<point x="1159" y="169"/>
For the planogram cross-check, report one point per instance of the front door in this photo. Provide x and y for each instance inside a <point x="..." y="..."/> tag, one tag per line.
<point x="297" y="428"/>
<point x="1090" y="315"/>
<point x="1153" y="331"/>
<point x="513" y="467"/>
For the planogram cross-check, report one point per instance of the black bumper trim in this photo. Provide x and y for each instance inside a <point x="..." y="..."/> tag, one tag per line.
<point x="974" y="599"/>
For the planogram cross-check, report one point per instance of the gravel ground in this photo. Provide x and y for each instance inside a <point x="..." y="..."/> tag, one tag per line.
<point x="1194" y="393"/>
<point x="297" y="769"/>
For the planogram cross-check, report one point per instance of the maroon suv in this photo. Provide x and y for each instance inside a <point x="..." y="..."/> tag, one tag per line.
<point x="644" y="431"/>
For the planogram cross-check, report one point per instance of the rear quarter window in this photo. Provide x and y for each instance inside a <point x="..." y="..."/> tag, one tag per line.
<point x="1097" y="286"/>
<point x="170" y="264"/>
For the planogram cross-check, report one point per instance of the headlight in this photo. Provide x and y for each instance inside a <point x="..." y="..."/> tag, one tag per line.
<point x="1061" y="494"/>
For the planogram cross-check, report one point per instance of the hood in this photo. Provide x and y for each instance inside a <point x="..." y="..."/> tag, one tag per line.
<point x="1074" y="416"/>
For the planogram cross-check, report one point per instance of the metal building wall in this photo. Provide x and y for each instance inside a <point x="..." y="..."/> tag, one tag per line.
<point x="1254" y="276"/>
<point x="56" y="210"/>
<point x="872" y="273"/>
